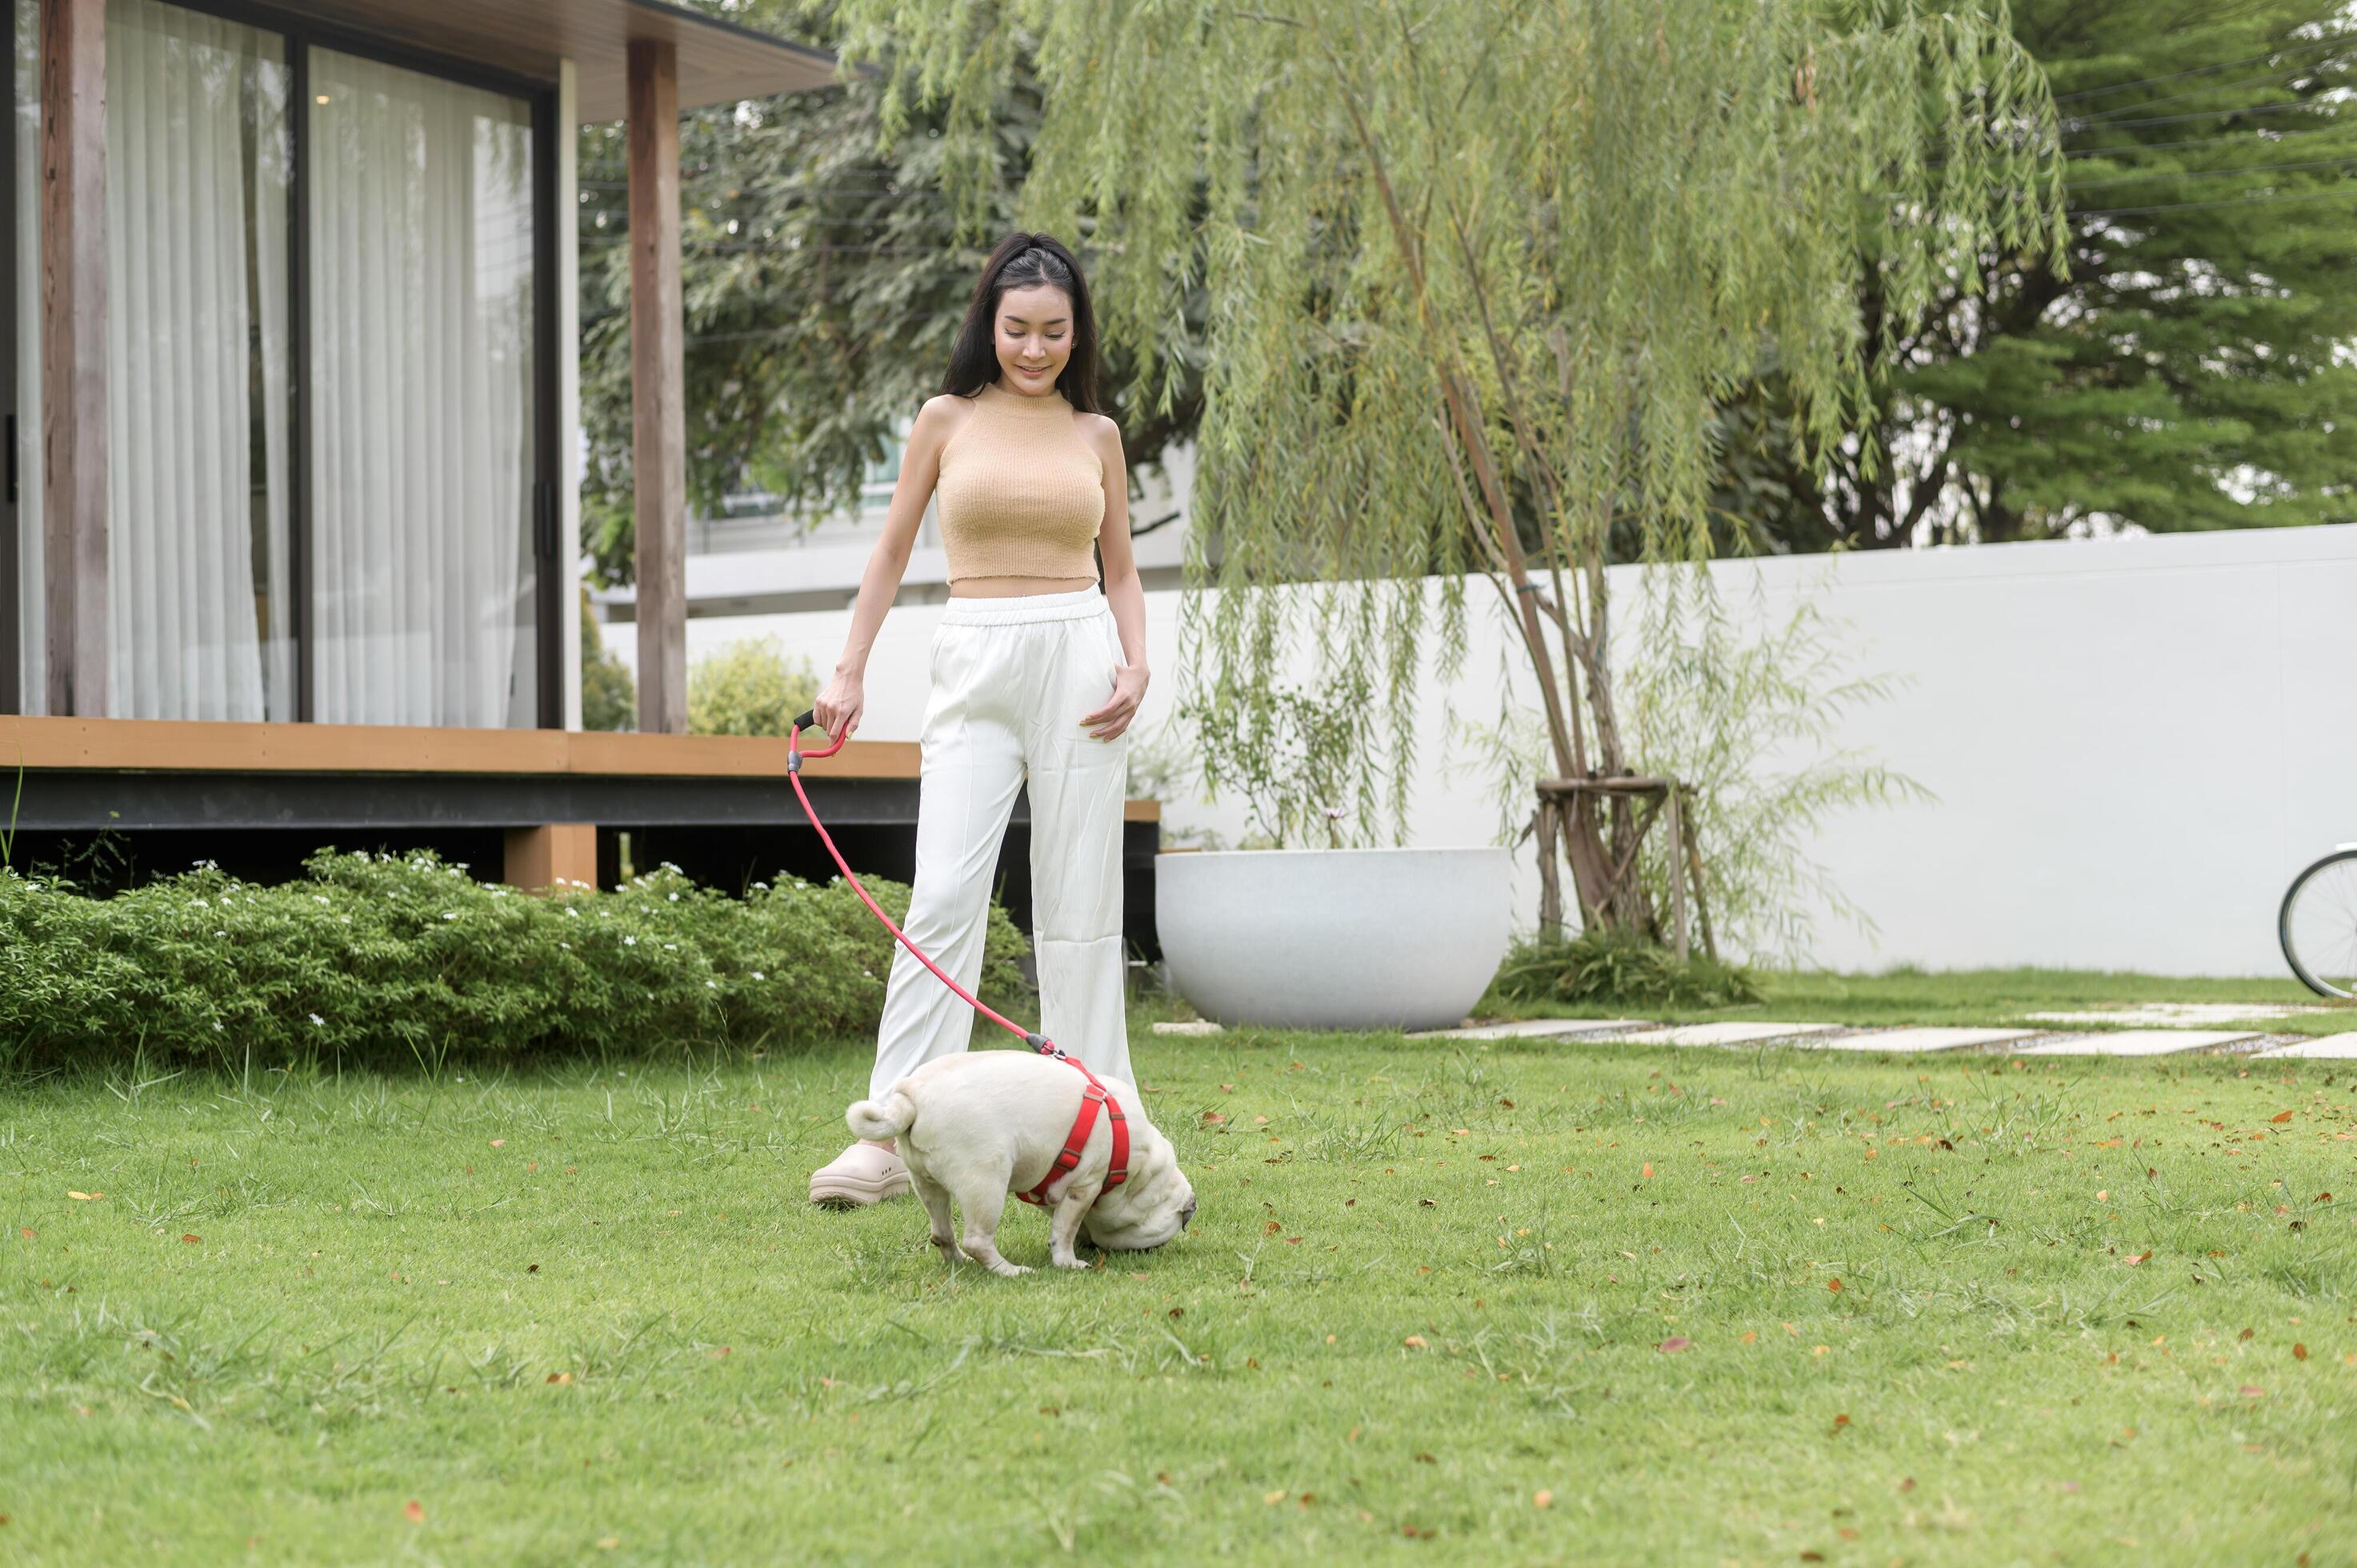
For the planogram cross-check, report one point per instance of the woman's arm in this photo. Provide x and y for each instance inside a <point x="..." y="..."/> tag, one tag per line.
<point x="844" y="696"/>
<point x="1122" y="591"/>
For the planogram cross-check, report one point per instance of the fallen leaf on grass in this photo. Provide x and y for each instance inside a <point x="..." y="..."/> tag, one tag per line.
<point x="1674" y="1344"/>
<point x="2250" y="1391"/>
<point x="2299" y="1352"/>
<point x="1750" y="1336"/>
<point x="1541" y="1500"/>
<point x="1648" y="1171"/>
<point x="1213" y="1118"/>
<point x="607" y="1542"/>
<point x="1414" y="1342"/>
<point x="85" y="1196"/>
<point x="2130" y="1262"/>
<point x="413" y="1511"/>
<point x="1833" y="1284"/>
<point x="560" y="1376"/>
<point x="2280" y="1116"/>
<point x="192" y="1239"/>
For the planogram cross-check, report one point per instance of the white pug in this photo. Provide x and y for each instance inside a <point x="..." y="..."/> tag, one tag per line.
<point x="981" y="1124"/>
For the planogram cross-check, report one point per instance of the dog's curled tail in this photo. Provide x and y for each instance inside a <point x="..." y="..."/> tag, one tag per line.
<point x="886" y="1118"/>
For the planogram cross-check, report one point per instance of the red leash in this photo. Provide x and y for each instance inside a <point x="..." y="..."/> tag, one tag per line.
<point x="1094" y="1095"/>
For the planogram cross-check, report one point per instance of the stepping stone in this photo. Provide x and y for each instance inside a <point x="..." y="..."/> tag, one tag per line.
<point x="2180" y="1015"/>
<point x="1533" y="1029"/>
<point x="1724" y="1034"/>
<point x="1199" y="1026"/>
<point x="2324" y="1047"/>
<point x="1922" y="1039"/>
<point x="2138" y="1043"/>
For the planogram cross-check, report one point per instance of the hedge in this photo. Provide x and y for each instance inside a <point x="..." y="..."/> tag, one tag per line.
<point x="390" y="958"/>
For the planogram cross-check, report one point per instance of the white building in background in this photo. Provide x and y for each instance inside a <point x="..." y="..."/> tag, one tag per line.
<point x="2131" y="744"/>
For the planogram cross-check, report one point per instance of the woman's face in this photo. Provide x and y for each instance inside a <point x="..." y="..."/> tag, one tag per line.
<point x="1035" y="336"/>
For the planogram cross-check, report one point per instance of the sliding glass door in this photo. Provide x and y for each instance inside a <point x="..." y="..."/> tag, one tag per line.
<point x="328" y="379"/>
<point x="422" y="404"/>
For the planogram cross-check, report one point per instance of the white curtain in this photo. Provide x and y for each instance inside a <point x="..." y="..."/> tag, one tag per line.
<point x="198" y="607"/>
<point x="421" y="295"/>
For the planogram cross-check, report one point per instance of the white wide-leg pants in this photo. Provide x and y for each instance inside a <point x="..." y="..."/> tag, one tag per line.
<point x="1011" y="678"/>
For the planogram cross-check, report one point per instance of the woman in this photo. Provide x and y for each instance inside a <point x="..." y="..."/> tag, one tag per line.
<point x="1035" y="673"/>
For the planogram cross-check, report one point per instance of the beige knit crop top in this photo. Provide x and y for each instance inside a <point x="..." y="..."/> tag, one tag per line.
<point x="1021" y="490"/>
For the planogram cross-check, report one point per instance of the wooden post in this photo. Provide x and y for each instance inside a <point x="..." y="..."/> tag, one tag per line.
<point x="74" y="352"/>
<point x="657" y="382"/>
<point x="1702" y="904"/>
<point x="1550" y="885"/>
<point x="1677" y="872"/>
<point x="552" y="858"/>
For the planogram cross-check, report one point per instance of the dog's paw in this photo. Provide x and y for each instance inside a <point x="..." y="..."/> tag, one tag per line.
<point x="1074" y="1262"/>
<point x="1010" y="1270"/>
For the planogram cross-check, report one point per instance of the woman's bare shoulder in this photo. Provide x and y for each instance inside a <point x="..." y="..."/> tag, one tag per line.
<point x="940" y="418"/>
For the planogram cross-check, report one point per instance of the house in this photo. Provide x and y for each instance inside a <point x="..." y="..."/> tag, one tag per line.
<point x="292" y="426"/>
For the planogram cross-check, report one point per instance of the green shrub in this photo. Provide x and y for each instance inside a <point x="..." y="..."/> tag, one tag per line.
<point x="609" y="698"/>
<point x="748" y="687"/>
<point x="394" y="959"/>
<point x="1618" y="969"/>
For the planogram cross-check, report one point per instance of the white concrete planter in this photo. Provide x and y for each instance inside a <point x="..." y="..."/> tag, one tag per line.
<point x="1334" y="939"/>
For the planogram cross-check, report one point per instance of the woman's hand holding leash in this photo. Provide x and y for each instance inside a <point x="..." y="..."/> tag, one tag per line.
<point x="839" y="706"/>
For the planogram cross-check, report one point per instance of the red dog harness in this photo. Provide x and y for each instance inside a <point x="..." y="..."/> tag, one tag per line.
<point x="1094" y="1095"/>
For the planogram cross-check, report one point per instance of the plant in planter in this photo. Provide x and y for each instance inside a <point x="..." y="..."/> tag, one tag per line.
<point x="1326" y="934"/>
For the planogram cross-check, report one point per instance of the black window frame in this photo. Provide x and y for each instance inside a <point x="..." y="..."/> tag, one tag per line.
<point x="299" y="34"/>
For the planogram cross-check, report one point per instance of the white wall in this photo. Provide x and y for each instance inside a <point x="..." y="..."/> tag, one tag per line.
<point x="2134" y="743"/>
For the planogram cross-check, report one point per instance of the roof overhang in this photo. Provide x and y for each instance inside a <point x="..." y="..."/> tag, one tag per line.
<point x="719" y="62"/>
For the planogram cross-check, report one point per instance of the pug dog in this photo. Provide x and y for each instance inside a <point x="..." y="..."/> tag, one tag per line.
<point x="978" y="1125"/>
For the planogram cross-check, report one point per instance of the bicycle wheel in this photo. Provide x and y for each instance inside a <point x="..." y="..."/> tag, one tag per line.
<point x="2319" y="924"/>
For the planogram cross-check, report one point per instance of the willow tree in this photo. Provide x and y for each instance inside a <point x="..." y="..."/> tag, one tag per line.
<point x="1478" y="276"/>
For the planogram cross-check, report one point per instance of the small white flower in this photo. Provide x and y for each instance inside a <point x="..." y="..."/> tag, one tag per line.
<point x="322" y="1023"/>
<point x="671" y="947"/>
<point x="318" y="899"/>
<point x="674" y="897"/>
<point x="572" y="911"/>
<point x="202" y="905"/>
<point x="712" y="986"/>
<point x="758" y="975"/>
<point x="217" y="1026"/>
<point x="629" y="941"/>
<point x="449" y="915"/>
<point x="220" y="933"/>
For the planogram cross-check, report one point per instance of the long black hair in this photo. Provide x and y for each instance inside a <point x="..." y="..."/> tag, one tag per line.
<point x="1024" y="261"/>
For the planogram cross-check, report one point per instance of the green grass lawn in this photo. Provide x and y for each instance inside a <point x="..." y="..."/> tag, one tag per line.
<point x="1520" y="1304"/>
<point x="1986" y="996"/>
